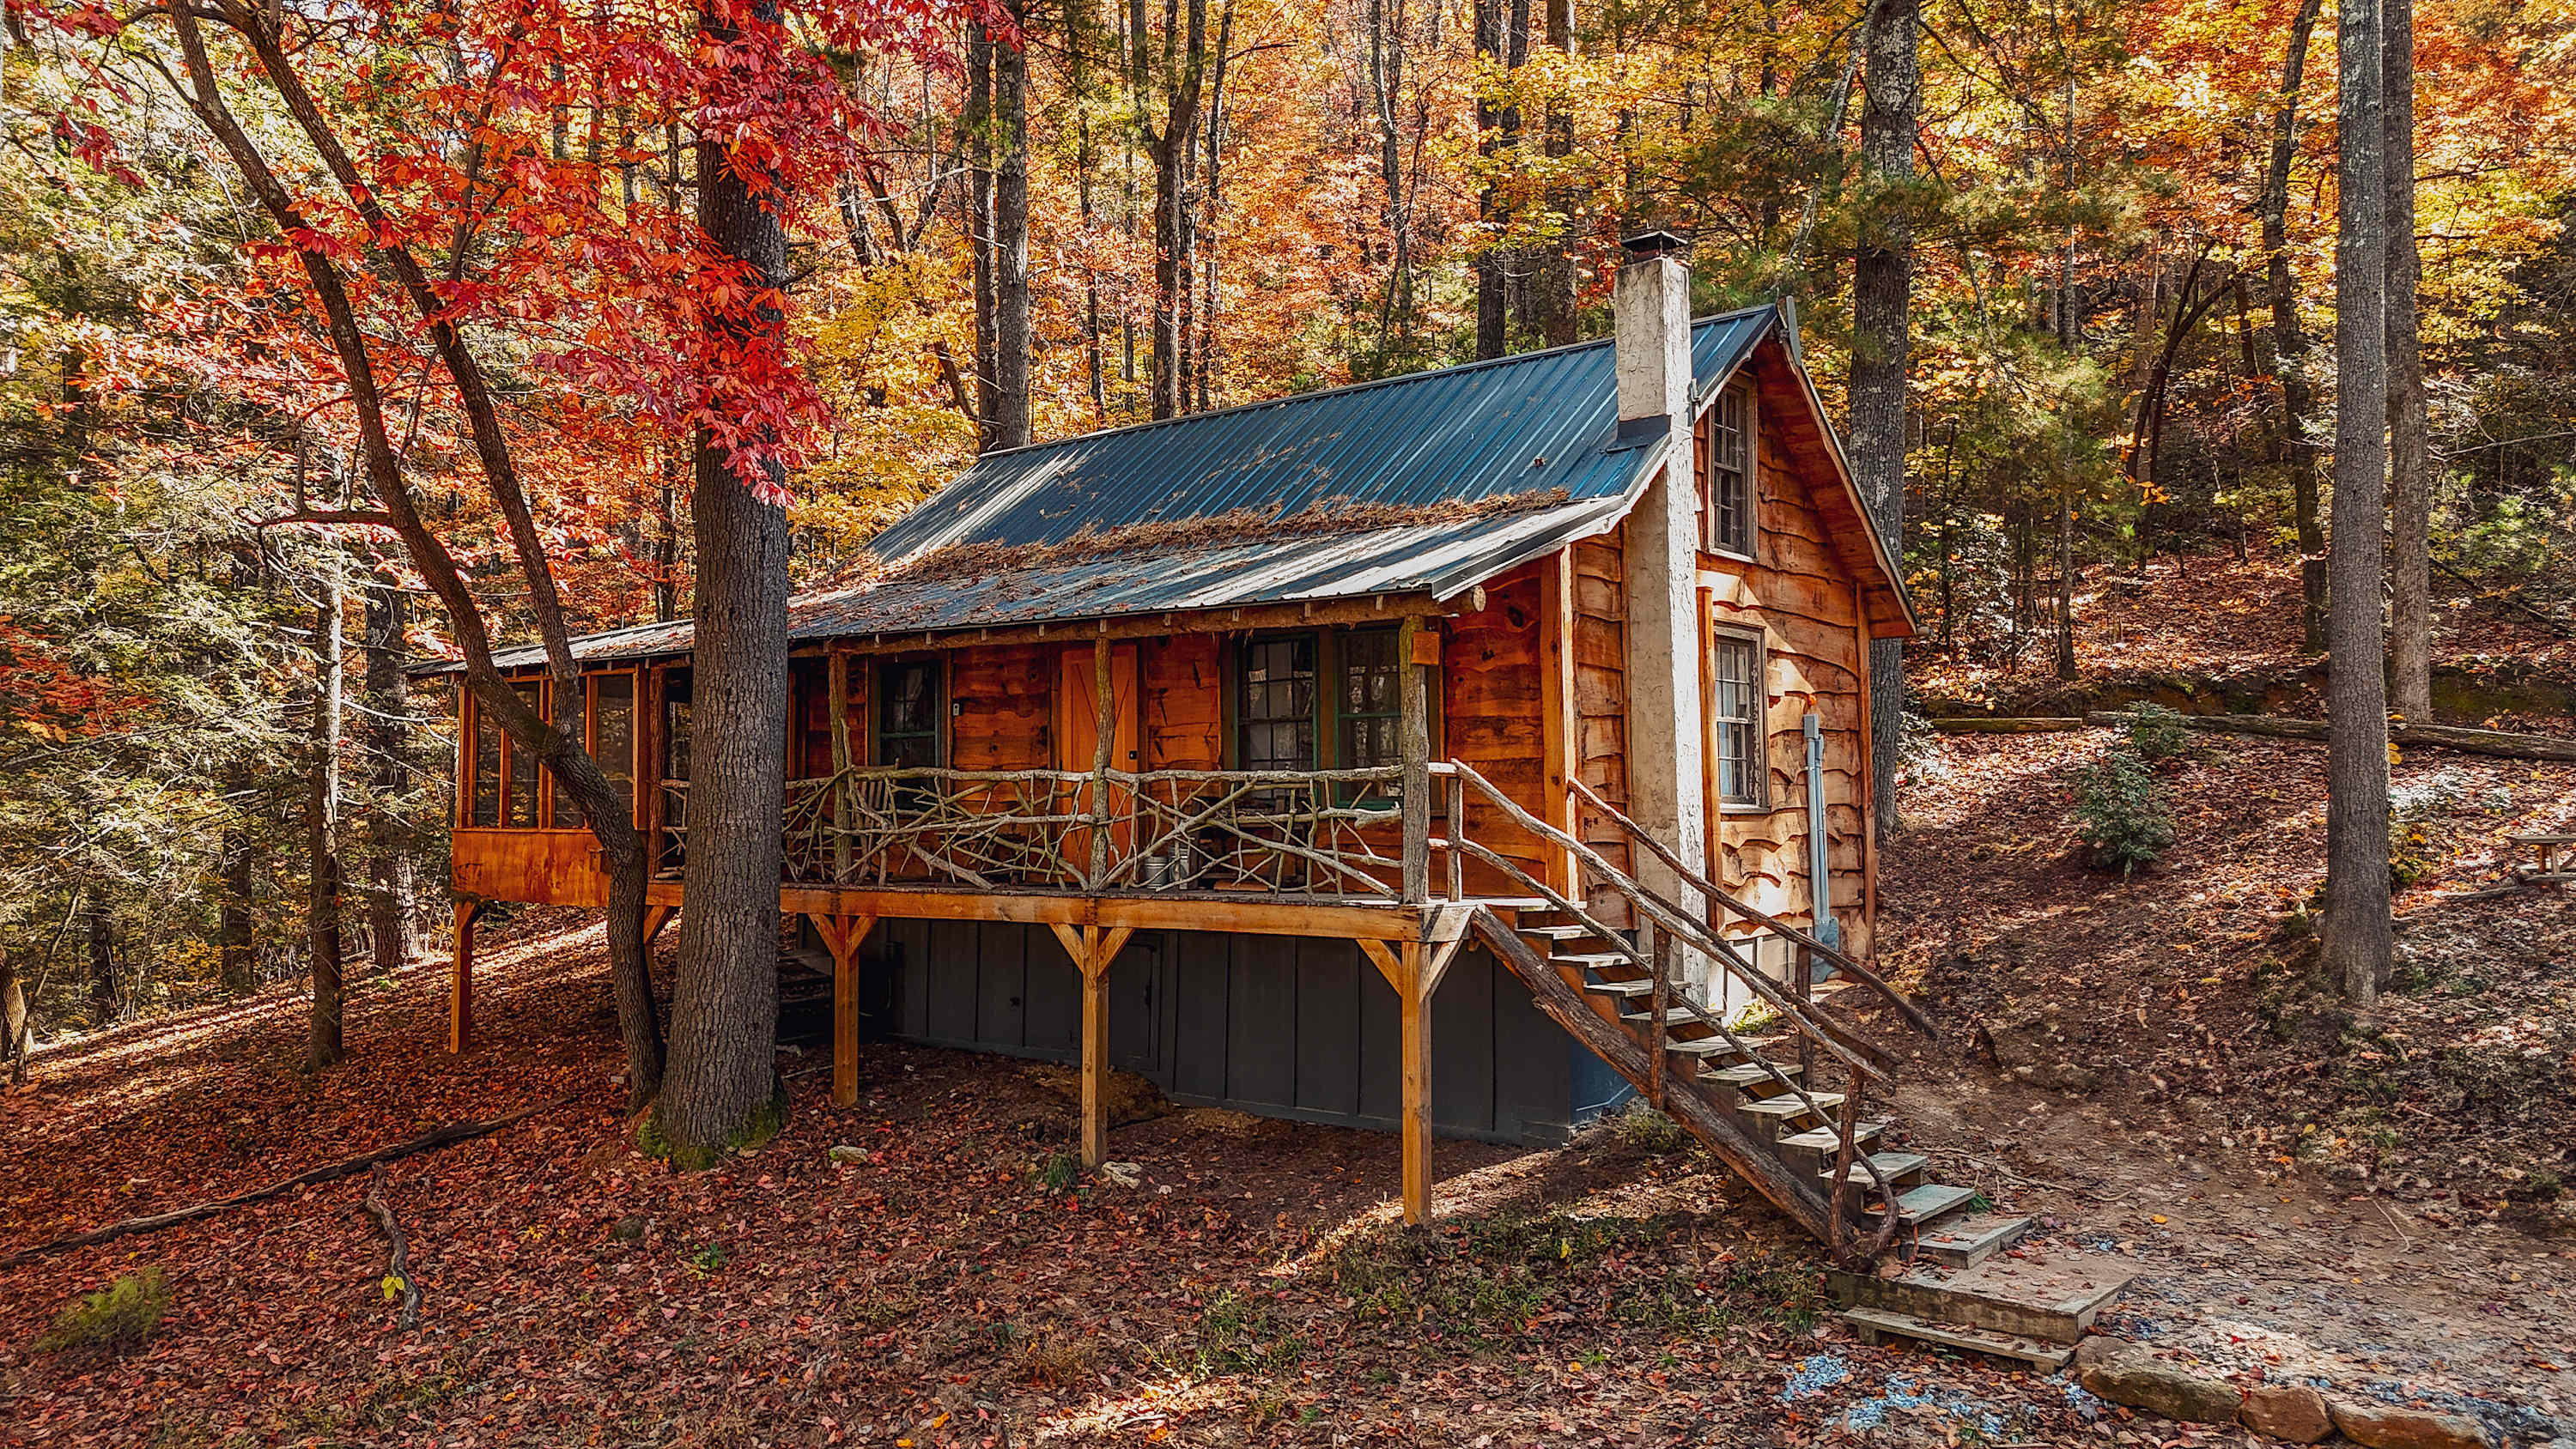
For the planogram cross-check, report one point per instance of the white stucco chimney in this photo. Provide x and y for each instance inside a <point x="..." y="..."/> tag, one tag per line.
<point x="1667" y="789"/>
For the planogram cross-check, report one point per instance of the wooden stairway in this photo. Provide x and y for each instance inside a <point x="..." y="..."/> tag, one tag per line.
<point x="1822" y="1156"/>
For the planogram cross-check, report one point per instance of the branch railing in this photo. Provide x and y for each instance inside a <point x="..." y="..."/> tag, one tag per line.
<point x="1325" y="833"/>
<point x="1665" y="924"/>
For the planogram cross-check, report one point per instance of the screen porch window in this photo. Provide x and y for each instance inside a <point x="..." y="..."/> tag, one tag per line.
<point x="1737" y="700"/>
<point x="908" y="708"/>
<point x="486" y="807"/>
<point x="519" y="810"/>
<point x="1275" y="705"/>
<point x="1371" y="700"/>
<point x="1730" y="472"/>
<point x="607" y="724"/>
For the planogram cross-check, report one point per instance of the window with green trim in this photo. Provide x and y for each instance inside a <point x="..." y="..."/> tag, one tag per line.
<point x="909" y="701"/>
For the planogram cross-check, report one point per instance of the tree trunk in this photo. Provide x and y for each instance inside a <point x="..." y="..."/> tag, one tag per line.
<point x="1171" y="149"/>
<point x="102" y="965"/>
<point x="978" y="121"/>
<point x="2410" y="481"/>
<point x="1882" y="301"/>
<point x="390" y="910"/>
<point x="723" y="1090"/>
<point x="666" y="540"/>
<point x="1555" y="293"/>
<point x="2357" y="933"/>
<point x="1011" y="329"/>
<point x="13" y="1018"/>
<point x="235" y="943"/>
<point x="1493" y="318"/>
<point x="2290" y="339"/>
<point x="322" y="830"/>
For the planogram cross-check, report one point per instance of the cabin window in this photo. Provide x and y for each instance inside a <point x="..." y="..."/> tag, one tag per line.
<point x="1371" y="700"/>
<point x="1737" y="699"/>
<point x="570" y="716"/>
<point x="519" y="805"/>
<point x="486" y="809"/>
<point x="1275" y="708"/>
<point x="608" y="726"/>
<point x="908" y="709"/>
<point x="1730" y="472"/>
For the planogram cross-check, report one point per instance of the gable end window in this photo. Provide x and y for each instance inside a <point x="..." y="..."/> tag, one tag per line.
<point x="1737" y="699"/>
<point x="1730" y="472"/>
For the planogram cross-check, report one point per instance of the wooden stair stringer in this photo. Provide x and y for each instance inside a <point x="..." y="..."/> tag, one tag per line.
<point x="1684" y="1101"/>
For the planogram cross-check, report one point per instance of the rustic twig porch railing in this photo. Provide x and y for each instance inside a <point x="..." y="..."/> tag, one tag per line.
<point x="1326" y="833"/>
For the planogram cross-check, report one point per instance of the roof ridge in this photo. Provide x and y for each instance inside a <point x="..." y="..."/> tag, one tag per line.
<point x="1286" y="399"/>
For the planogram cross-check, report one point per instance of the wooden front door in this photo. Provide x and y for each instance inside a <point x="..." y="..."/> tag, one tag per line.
<point x="1077" y="737"/>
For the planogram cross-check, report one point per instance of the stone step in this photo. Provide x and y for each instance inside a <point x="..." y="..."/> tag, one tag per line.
<point x="2053" y="1301"/>
<point x="1874" y="1325"/>
<point x="1917" y="1205"/>
<point x="1964" y="1242"/>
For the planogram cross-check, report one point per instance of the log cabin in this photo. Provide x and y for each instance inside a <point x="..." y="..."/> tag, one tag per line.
<point x="1503" y="726"/>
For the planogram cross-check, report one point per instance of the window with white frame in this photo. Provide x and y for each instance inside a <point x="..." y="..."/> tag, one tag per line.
<point x="1730" y="472"/>
<point x="1736" y="699"/>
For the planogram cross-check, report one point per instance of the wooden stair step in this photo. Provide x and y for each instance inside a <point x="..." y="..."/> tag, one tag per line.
<point x="1787" y="1104"/>
<point x="1591" y="960"/>
<point x="1703" y="1046"/>
<point x="1931" y="1200"/>
<point x="1964" y="1242"/>
<point x="1746" y="1074"/>
<point x="1673" y="1016"/>
<point x="1891" y="1165"/>
<point x="1826" y="1142"/>
<point x="1554" y="933"/>
<point x="1621" y="988"/>
<point x="1873" y="1324"/>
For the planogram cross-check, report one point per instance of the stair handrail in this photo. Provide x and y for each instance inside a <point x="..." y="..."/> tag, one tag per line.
<point x="1709" y="890"/>
<point x="1802" y="1016"/>
<point x="1844" y="1161"/>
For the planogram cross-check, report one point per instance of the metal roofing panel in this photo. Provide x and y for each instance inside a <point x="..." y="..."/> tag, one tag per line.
<point x="1535" y="423"/>
<point x="1526" y="424"/>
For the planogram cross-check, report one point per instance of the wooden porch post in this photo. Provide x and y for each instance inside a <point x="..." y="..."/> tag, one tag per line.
<point x="1402" y="966"/>
<point x="841" y="936"/>
<point x="840" y="687"/>
<point x="1560" y="728"/>
<point x="1105" y="727"/>
<point x="1412" y="644"/>
<point x="1092" y="949"/>
<point x="460" y="987"/>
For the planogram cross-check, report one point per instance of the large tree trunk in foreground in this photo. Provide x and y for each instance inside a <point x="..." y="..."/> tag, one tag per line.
<point x="2357" y="929"/>
<point x="723" y="1089"/>
<point x="389" y="899"/>
<point x="1882" y="301"/>
<point x="322" y="833"/>
<point x="2298" y="449"/>
<point x="2410" y="482"/>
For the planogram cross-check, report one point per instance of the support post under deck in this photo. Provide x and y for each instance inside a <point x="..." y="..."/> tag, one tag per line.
<point x="460" y="985"/>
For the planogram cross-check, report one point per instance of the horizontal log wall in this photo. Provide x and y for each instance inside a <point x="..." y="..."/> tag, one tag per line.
<point x="1490" y="718"/>
<point x="1002" y="698"/>
<point x="1798" y="594"/>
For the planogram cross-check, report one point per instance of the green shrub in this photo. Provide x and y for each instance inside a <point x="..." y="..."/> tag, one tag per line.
<point x="2121" y="812"/>
<point x="116" y="1319"/>
<point x="2157" y="733"/>
<point x="1059" y="1171"/>
<point x="1641" y="1127"/>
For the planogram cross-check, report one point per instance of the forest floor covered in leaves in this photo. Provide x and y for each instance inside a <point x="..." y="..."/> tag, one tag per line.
<point x="2211" y="633"/>
<point x="1252" y="1287"/>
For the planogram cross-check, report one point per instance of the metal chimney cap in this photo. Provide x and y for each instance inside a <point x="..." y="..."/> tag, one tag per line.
<point x="1646" y="245"/>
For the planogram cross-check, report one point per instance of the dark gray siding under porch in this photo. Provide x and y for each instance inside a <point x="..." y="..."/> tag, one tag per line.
<point x="1296" y="1027"/>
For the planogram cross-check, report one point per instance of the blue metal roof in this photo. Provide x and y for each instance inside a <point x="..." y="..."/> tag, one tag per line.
<point x="1540" y="423"/>
<point x="1533" y="423"/>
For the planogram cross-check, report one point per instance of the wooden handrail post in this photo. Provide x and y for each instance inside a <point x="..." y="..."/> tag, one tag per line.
<point x="842" y="812"/>
<point x="1659" y="954"/>
<point x="1417" y="759"/>
<point x="1457" y="833"/>
<point x="1802" y="985"/>
<point x="1105" y="719"/>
